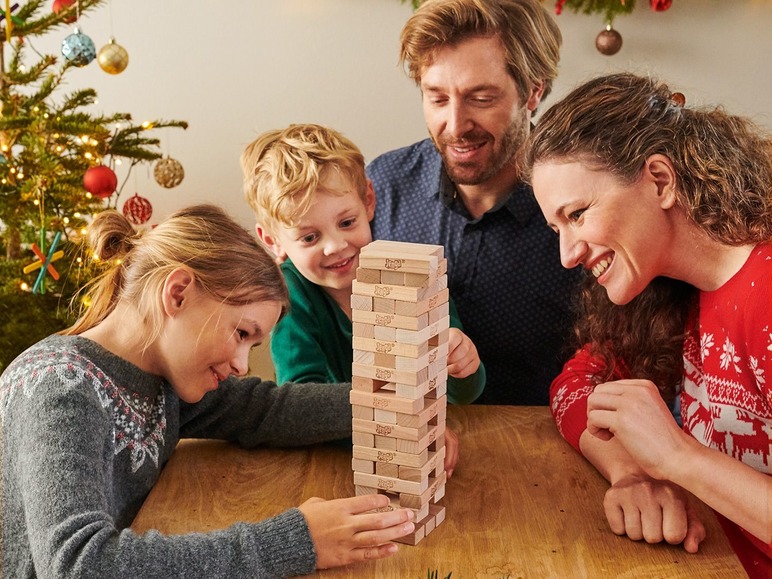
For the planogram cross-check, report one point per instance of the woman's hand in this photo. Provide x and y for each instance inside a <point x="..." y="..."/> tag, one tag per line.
<point x="346" y="531"/>
<point x="463" y="359"/>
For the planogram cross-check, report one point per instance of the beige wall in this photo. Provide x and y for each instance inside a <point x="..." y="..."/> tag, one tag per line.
<point x="233" y="69"/>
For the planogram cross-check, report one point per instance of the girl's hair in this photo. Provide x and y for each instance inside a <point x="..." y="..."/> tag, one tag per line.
<point x="283" y="170"/>
<point x="226" y="261"/>
<point x="723" y="166"/>
<point x="529" y="35"/>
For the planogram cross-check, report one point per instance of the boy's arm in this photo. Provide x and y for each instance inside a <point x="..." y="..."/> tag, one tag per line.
<point x="464" y="390"/>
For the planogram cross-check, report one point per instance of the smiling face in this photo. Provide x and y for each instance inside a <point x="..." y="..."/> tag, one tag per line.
<point x="325" y="243"/>
<point x="205" y="340"/>
<point x="622" y="233"/>
<point x="472" y="110"/>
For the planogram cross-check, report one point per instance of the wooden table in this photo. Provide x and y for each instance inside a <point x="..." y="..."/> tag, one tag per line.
<point x="521" y="503"/>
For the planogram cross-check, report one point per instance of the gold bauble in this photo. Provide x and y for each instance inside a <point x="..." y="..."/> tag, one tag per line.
<point x="168" y="172"/>
<point x="113" y="57"/>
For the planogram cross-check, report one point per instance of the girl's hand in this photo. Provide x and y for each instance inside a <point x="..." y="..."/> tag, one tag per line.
<point x="463" y="359"/>
<point x="451" y="451"/>
<point x="345" y="532"/>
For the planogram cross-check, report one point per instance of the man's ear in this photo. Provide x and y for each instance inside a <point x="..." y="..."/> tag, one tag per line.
<point x="659" y="169"/>
<point x="178" y="290"/>
<point x="271" y="243"/>
<point x="370" y="200"/>
<point x="534" y="99"/>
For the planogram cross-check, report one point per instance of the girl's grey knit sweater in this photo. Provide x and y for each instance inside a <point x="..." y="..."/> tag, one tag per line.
<point x="85" y="435"/>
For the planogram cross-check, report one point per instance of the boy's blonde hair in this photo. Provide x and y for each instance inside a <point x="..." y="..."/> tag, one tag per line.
<point x="283" y="169"/>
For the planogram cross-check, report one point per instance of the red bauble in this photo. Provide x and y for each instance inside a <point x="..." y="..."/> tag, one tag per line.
<point x="100" y="181"/>
<point x="137" y="210"/>
<point x="67" y="5"/>
<point x="660" y="5"/>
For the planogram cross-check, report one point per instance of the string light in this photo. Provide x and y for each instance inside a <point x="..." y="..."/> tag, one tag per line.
<point x="24" y="286"/>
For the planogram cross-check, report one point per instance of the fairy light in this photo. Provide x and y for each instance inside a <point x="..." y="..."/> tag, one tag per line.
<point x="88" y="155"/>
<point x="66" y="220"/>
<point x="36" y="201"/>
<point x="76" y="214"/>
<point x="88" y="195"/>
<point x="147" y="125"/>
<point x="84" y="231"/>
<point x="4" y="148"/>
<point x="84" y="139"/>
<point x="24" y="286"/>
<point x="119" y="162"/>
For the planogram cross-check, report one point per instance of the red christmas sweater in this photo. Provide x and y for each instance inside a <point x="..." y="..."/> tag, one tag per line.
<point x="726" y="401"/>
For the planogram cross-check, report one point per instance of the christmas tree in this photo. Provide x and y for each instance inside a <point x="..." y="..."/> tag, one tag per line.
<point x="57" y="169"/>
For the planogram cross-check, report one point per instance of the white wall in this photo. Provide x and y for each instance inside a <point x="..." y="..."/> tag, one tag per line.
<point x="234" y="69"/>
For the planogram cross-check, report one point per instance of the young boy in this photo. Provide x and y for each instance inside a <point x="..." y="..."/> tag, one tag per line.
<point x="313" y="205"/>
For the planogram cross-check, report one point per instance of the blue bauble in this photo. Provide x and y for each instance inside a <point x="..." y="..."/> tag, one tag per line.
<point x="78" y="48"/>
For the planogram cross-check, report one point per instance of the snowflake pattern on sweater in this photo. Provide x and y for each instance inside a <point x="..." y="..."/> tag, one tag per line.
<point x="139" y="422"/>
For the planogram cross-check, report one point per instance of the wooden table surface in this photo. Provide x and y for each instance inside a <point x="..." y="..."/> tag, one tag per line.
<point x="521" y="503"/>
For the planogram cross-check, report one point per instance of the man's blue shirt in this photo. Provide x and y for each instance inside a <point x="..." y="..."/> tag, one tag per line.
<point x="504" y="272"/>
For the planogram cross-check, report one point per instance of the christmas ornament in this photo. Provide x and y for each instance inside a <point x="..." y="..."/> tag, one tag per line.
<point x="168" y="172"/>
<point x="137" y="210"/>
<point x="78" y="48"/>
<point x="113" y="57"/>
<point x="45" y="264"/>
<point x="660" y="5"/>
<point x="100" y="181"/>
<point x="68" y="6"/>
<point x="609" y="41"/>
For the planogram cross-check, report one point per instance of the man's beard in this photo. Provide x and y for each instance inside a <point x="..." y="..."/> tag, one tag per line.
<point x="512" y="143"/>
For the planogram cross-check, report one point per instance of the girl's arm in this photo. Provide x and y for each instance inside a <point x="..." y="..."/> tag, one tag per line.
<point x="464" y="384"/>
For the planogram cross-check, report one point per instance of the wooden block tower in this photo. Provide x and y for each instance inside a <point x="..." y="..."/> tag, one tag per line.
<point x="398" y="396"/>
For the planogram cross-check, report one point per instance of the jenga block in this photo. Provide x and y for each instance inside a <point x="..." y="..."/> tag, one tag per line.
<point x="439" y="442"/>
<point x="391" y="484"/>
<point x="364" y="303"/>
<point x="438" y="511"/>
<point x="404" y="308"/>
<point x="368" y="275"/>
<point x="396" y="261"/>
<point x="424" y="388"/>
<point x="439" y="493"/>
<point x="425" y="470"/>
<point x="381" y="416"/>
<point x="385" y="469"/>
<point x="365" y="413"/>
<point x="363" y="357"/>
<point x="386" y="400"/>
<point x="391" y="375"/>
<point x="423" y="335"/>
<point x="407" y="247"/>
<point x="437" y="340"/>
<point x="413" y="538"/>
<point x="441" y="311"/>
<point x="393" y="348"/>
<point x="418" y="500"/>
<point x="420" y="514"/>
<point x="364" y="439"/>
<point x="362" y="330"/>
<point x="399" y="292"/>
<point x="393" y="277"/>
<point x="365" y="383"/>
<point x="393" y="457"/>
<point x="384" y="333"/>
<point x="415" y="364"/>
<point x="361" y="490"/>
<point x="382" y="305"/>
<point x="427" y="523"/>
<point x="391" y="320"/>
<point x="440" y="391"/>
<point x="431" y="408"/>
<point x="384" y="442"/>
<point x="390" y="430"/>
<point x="384" y="360"/>
<point x="365" y="466"/>
<point x="413" y="446"/>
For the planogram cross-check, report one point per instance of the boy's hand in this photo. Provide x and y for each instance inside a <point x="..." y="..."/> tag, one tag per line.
<point x="344" y="531"/>
<point x="463" y="359"/>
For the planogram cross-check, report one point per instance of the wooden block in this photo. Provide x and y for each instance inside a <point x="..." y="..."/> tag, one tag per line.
<point x="397" y="292"/>
<point x="441" y="311"/>
<point x="391" y="320"/>
<point x="427" y="523"/>
<point x="366" y="383"/>
<point x="384" y="442"/>
<point x="384" y="333"/>
<point x="434" y="341"/>
<point x="365" y="466"/>
<point x="425" y="470"/>
<point x="364" y="303"/>
<point x="363" y="439"/>
<point x="405" y="246"/>
<point x="403" y="433"/>
<point x="384" y="360"/>
<point x="413" y="446"/>
<point x="360" y="490"/>
<point x="439" y="442"/>
<point x="368" y="275"/>
<point x="403" y="308"/>
<point x="440" y="391"/>
<point x="418" y="500"/>
<point x="382" y="305"/>
<point x="363" y="357"/>
<point x="420" y="336"/>
<point x="382" y="416"/>
<point x="389" y="347"/>
<point x="384" y="469"/>
<point x="389" y="456"/>
<point x="387" y="401"/>
<point x="414" y="391"/>
<point x="438" y="512"/>
<point x="396" y="261"/>
<point x="415" y="364"/>
<point x="413" y="538"/>
<point x="420" y="514"/>
<point x="430" y="410"/>
<point x="439" y="493"/>
<point x="362" y="330"/>
<point x="393" y="277"/>
<point x="365" y="413"/>
<point x="392" y="484"/>
<point x="390" y="375"/>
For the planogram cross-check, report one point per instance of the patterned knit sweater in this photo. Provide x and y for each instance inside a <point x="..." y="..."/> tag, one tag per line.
<point x="726" y="402"/>
<point x="85" y="435"/>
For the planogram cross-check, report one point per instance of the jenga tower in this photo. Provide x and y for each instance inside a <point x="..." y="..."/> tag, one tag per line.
<point x="398" y="396"/>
